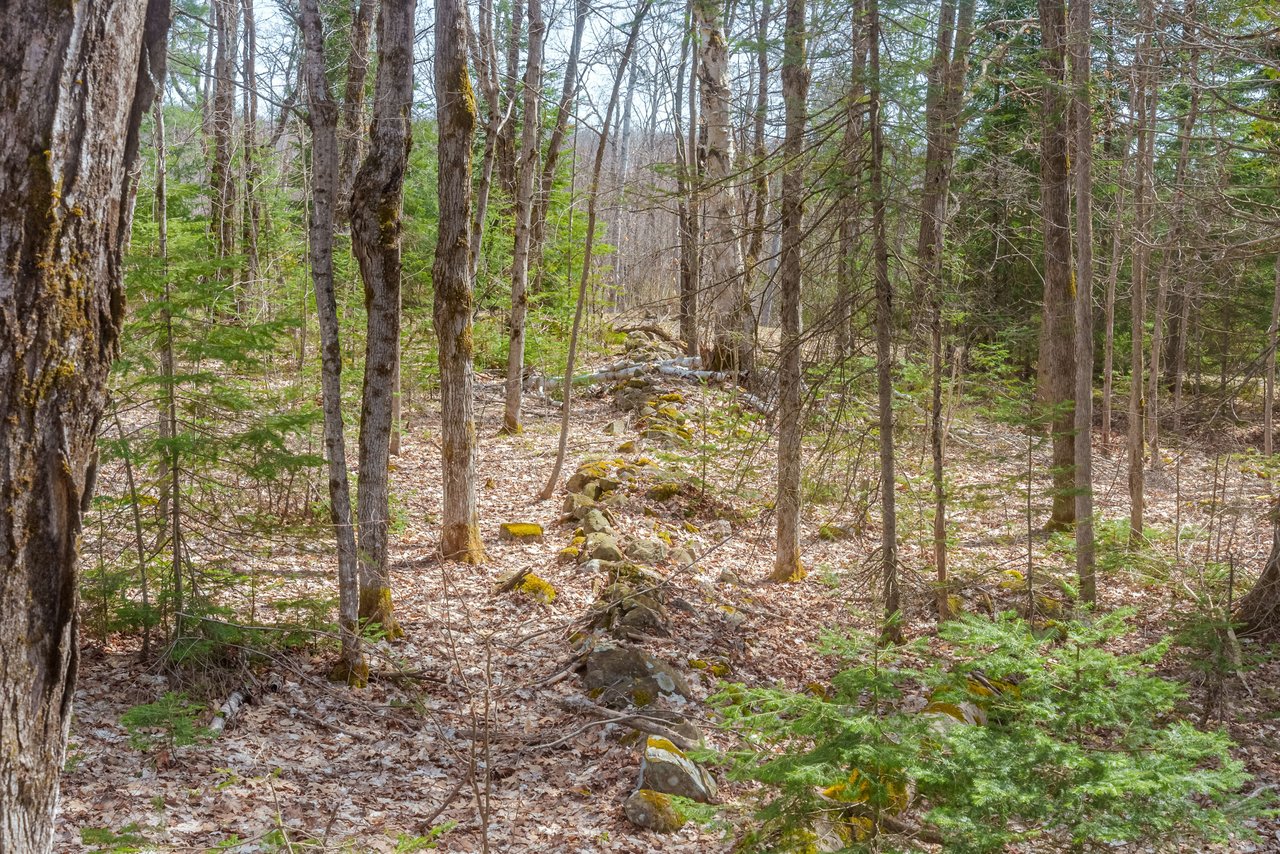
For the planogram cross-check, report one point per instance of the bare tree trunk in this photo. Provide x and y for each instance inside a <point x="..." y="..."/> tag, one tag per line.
<point x="252" y="173"/>
<point x="564" y="110"/>
<point x="945" y="107"/>
<point x="79" y="78"/>
<point x="1141" y="261"/>
<point x="884" y="344"/>
<point x="733" y="342"/>
<point x="853" y="203"/>
<point x="323" y="114"/>
<point x="687" y="191"/>
<point x="1171" y="263"/>
<point x="1258" y="613"/>
<point x="759" y="178"/>
<point x="527" y="171"/>
<point x="451" y="273"/>
<point x="362" y="16"/>
<point x="227" y="18"/>
<point x="485" y="56"/>
<point x="507" y="138"/>
<point x="1269" y="390"/>
<point x="1080" y="31"/>
<point x="593" y="197"/>
<point x="795" y="93"/>
<point x="375" y="240"/>
<point x="1058" y="335"/>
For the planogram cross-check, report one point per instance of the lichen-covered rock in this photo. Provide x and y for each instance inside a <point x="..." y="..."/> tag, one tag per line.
<point x="615" y="428"/>
<point x="602" y="546"/>
<point x="520" y="531"/>
<point x="577" y="504"/>
<point x="627" y="447"/>
<point x="682" y="556"/>
<point x="653" y="811"/>
<point x="718" y="529"/>
<point x="647" y="551"/>
<point x="595" y="522"/>
<point x="665" y="768"/>
<point x="617" y="675"/>
<point x="642" y="618"/>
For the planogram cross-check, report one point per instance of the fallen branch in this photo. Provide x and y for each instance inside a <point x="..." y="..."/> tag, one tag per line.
<point x="635" y="720"/>
<point x="651" y="329"/>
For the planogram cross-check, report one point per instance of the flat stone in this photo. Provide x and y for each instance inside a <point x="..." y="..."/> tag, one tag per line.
<point x="617" y="675"/>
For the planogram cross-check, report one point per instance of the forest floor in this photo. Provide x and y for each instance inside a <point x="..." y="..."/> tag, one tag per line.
<point x="476" y="681"/>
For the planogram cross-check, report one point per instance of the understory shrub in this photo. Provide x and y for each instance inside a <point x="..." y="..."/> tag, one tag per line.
<point x="1062" y="744"/>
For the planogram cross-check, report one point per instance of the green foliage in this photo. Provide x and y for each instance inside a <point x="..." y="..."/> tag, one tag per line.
<point x="1080" y="747"/>
<point x="169" y="721"/>
<point x="123" y="841"/>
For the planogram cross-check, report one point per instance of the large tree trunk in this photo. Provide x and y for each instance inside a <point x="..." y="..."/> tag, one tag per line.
<point x="732" y="345"/>
<point x="1057" y="372"/>
<point x="323" y="118"/>
<point x="1081" y="26"/>
<point x="1258" y="612"/>
<point x="759" y="176"/>
<point x="795" y="92"/>
<point x="77" y="79"/>
<point x="375" y="239"/>
<point x="362" y="16"/>
<point x="884" y="344"/>
<point x="526" y="171"/>
<point x="451" y="273"/>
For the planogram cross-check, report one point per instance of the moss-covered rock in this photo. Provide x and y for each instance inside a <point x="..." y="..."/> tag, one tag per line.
<point x="663" y="491"/>
<point x="621" y="675"/>
<point x="665" y="768"/>
<point x="602" y="546"/>
<point x="520" y="531"/>
<point x="653" y="811"/>
<point x="537" y="587"/>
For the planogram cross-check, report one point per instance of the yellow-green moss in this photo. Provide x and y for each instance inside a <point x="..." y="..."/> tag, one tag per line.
<point x="376" y="608"/>
<point x="537" y="587"/>
<point x="520" y="531"/>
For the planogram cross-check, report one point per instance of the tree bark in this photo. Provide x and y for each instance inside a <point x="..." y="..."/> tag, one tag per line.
<point x="451" y="273"/>
<point x="1142" y="202"/>
<point x="1058" y="373"/>
<point x="526" y="172"/>
<point x="323" y="118"/>
<point x="1081" y="29"/>
<point x="1269" y="382"/>
<point x="252" y="209"/>
<point x="362" y="17"/>
<point x="1258" y="612"/>
<point x="375" y="240"/>
<point x="732" y="345"/>
<point x="686" y="191"/>
<point x="226" y="18"/>
<point x="795" y="92"/>
<point x="759" y="177"/>
<point x="486" y="61"/>
<point x="892" y="632"/>
<point x="77" y="80"/>
<point x="853" y="204"/>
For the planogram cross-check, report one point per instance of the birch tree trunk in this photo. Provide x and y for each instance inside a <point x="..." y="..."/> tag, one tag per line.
<point x="1080" y="30"/>
<point x="526" y="173"/>
<point x="323" y="118"/>
<point x="78" y="78"/>
<point x="451" y="273"/>
<point x="732" y="342"/>
<point x="375" y="240"/>
<point x="1057" y="372"/>
<point x="795" y="92"/>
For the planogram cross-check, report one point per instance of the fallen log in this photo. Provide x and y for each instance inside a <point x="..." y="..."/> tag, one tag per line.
<point x="228" y="710"/>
